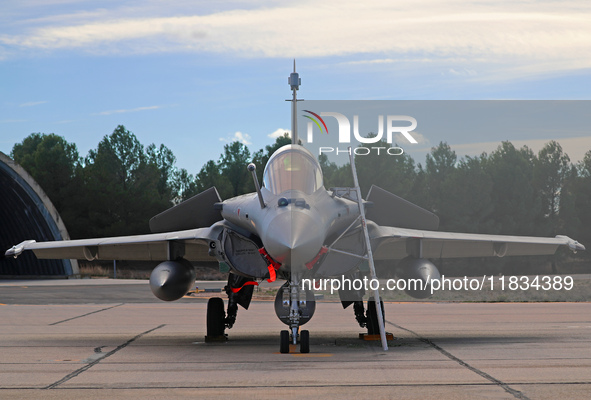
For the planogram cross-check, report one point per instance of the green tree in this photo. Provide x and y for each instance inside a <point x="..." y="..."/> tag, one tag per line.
<point x="211" y="175"/>
<point x="516" y="203"/>
<point x="439" y="168"/>
<point x="568" y="222"/>
<point x="394" y="173"/>
<point x="55" y="165"/>
<point x="233" y="163"/>
<point x="123" y="188"/>
<point x="184" y="186"/>
<point x="164" y="160"/>
<point x="581" y="188"/>
<point x="466" y="203"/>
<point x="551" y="169"/>
<point x="51" y="161"/>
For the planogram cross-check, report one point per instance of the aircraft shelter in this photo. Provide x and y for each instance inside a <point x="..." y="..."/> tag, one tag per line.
<point x="27" y="213"/>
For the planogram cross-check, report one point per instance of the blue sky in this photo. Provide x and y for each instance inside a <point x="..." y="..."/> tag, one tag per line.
<point x="195" y="75"/>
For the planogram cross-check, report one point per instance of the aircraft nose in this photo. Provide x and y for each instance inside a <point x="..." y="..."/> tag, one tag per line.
<point x="294" y="238"/>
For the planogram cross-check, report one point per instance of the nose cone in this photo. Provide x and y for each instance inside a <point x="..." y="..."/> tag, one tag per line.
<point x="294" y="238"/>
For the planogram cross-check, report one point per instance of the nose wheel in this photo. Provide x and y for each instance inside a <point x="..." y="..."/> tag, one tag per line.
<point x="285" y="341"/>
<point x="305" y="341"/>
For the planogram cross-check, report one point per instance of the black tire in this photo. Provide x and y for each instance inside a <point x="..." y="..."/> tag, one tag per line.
<point x="304" y="341"/>
<point x="284" y="342"/>
<point x="373" y="327"/>
<point x="215" y="317"/>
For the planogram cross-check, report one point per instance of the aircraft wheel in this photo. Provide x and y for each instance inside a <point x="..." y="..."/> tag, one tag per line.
<point x="215" y="317"/>
<point x="305" y="341"/>
<point x="284" y="343"/>
<point x="373" y="327"/>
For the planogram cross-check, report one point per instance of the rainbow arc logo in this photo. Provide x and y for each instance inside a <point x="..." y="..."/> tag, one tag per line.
<point x="316" y="121"/>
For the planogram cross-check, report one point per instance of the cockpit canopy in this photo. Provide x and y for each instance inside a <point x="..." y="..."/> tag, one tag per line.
<point x="292" y="167"/>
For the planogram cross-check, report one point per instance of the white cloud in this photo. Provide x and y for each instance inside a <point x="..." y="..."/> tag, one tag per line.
<point x="462" y="72"/>
<point x="278" y="133"/>
<point x="128" y="110"/>
<point x="523" y="37"/>
<point x="32" y="103"/>
<point x="419" y="137"/>
<point x="243" y="138"/>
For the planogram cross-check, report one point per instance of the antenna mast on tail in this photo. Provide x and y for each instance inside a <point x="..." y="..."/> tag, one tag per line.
<point x="294" y="82"/>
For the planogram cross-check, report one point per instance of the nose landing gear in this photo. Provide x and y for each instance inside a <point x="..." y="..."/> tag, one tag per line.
<point x="294" y="307"/>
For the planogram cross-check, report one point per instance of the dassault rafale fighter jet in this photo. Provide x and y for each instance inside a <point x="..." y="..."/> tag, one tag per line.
<point x="292" y="228"/>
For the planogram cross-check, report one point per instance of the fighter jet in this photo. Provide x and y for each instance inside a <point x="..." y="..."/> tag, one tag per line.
<point x="293" y="228"/>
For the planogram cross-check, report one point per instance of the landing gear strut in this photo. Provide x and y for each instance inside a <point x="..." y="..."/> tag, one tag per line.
<point x="368" y="319"/>
<point x="239" y="293"/>
<point x="360" y="313"/>
<point x="294" y="307"/>
<point x="373" y="326"/>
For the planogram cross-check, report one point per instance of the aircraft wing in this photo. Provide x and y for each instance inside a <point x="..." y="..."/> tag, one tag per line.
<point x="390" y="243"/>
<point x="192" y="245"/>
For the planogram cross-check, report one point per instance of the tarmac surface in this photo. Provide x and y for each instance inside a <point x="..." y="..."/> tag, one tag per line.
<point x="98" y="339"/>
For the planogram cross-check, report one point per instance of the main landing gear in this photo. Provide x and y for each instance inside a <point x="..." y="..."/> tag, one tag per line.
<point x="239" y="293"/>
<point x="367" y="319"/>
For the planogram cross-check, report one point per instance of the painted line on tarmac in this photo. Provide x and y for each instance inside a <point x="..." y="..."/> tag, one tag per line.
<point x="515" y="393"/>
<point x="95" y="362"/>
<point x="84" y="315"/>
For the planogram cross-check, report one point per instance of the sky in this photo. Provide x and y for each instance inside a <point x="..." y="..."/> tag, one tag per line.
<point x="196" y="75"/>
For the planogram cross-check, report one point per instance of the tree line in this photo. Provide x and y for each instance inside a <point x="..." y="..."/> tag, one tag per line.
<point x="511" y="191"/>
<point x="121" y="184"/>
